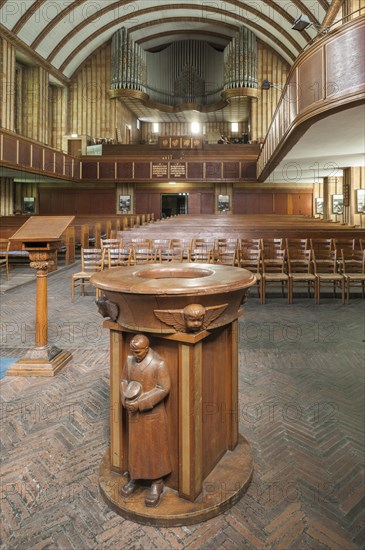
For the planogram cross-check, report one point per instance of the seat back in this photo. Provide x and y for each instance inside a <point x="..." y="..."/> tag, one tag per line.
<point x="119" y="256"/>
<point x="92" y="259"/>
<point x="321" y="246"/>
<point x="326" y="263"/>
<point x="111" y="243"/>
<point x="142" y="256"/>
<point x="175" y="255"/>
<point x="227" y="256"/>
<point x="141" y="243"/>
<point x="353" y="262"/>
<point x="299" y="261"/>
<point x="250" y="259"/>
<point x="275" y="262"/>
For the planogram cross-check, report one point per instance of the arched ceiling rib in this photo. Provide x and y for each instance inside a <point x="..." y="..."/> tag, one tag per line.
<point x="67" y="32"/>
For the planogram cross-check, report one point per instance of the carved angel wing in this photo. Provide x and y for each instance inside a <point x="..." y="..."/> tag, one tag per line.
<point x="107" y="308"/>
<point x="172" y="317"/>
<point x="212" y="313"/>
<point x="113" y="311"/>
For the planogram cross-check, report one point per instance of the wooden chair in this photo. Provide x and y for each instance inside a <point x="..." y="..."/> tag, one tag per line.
<point x="172" y="255"/>
<point x="299" y="264"/>
<point x="160" y="248"/>
<point x="140" y="242"/>
<point x="348" y="245"/>
<point x="180" y="244"/>
<point x="296" y="245"/>
<point x="111" y="243"/>
<point x="227" y="246"/>
<point x="92" y="261"/>
<point x="4" y="255"/>
<point x="106" y="244"/>
<point x="119" y="256"/>
<point x="321" y="245"/>
<point x="274" y="270"/>
<point x="353" y="270"/>
<point x="270" y="246"/>
<point x="249" y="244"/>
<point x="250" y="259"/>
<point x="326" y="270"/>
<point x="142" y="256"/>
<point x="226" y="256"/>
<point x="201" y="255"/>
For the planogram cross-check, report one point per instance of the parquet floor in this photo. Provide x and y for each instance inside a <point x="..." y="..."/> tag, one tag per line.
<point x="301" y="407"/>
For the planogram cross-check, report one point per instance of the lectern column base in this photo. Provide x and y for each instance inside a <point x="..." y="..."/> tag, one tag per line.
<point x="40" y="362"/>
<point x="223" y="487"/>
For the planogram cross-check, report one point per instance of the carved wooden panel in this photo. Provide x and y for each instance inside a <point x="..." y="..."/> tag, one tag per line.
<point x="142" y="170"/>
<point x="77" y="169"/>
<point x="248" y="171"/>
<point x="59" y="163"/>
<point x="89" y="170"/>
<point x="125" y="170"/>
<point x="195" y="170"/>
<point x="68" y="167"/>
<point x="310" y="80"/>
<point x="345" y="71"/>
<point x="24" y="153"/>
<point x="213" y="170"/>
<point x="231" y="170"/>
<point x="10" y="149"/>
<point x="37" y="157"/>
<point x="107" y="170"/>
<point x="48" y="160"/>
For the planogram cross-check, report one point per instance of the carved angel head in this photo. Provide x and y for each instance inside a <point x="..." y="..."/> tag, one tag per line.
<point x="194" y="315"/>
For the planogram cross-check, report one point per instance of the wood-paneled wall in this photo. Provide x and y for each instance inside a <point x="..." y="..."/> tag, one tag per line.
<point x="35" y="103"/>
<point x="7" y="84"/>
<point x="54" y="202"/>
<point x="57" y="111"/>
<point x="275" y="69"/>
<point x="6" y="196"/>
<point x="91" y="112"/>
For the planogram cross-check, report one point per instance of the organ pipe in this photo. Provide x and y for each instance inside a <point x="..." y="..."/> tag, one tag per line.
<point x="186" y="71"/>
<point x="240" y="61"/>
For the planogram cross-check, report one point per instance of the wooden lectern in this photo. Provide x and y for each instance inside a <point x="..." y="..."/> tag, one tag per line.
<point x="41" y="237"/>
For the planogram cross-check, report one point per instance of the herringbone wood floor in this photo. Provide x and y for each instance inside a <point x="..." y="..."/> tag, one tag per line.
<point x="301" y="407"/>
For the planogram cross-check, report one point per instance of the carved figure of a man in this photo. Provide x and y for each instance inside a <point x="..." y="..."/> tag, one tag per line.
<point x="145" y="384"/>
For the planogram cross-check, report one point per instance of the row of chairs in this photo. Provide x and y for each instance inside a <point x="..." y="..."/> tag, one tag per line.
<point x="288" y="266"/>
<point x="291" y="267"/>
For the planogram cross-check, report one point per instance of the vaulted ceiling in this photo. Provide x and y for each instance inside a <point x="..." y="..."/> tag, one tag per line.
<point x="66" y="32"/>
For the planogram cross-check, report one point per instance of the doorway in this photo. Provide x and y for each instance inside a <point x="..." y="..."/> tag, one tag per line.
<point x="173" y="204"/>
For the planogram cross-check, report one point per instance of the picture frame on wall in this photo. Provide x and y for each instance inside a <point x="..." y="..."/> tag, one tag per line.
<point x="337" y="204"/>
<point x="319" y="205"/>
<point x="124" y="203"/>
<point x="223" y="203"/>
<point x="28" y="205"/>
<point x="360" y="201"/>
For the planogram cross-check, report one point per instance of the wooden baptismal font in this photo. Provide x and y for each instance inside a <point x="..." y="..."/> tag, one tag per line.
<point x="176" y="456"/>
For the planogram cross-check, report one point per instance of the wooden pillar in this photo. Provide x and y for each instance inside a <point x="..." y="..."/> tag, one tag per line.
<point x="190" y="414"/>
